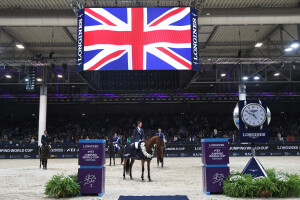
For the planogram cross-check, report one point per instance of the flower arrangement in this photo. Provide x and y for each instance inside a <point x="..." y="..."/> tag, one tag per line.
<point x="277" y="184"/>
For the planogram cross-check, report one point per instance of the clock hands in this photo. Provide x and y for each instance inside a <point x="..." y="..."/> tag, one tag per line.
<point x="251" y="114"/>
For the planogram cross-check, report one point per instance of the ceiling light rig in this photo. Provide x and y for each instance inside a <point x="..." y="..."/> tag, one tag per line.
<point x="294" y="46"/>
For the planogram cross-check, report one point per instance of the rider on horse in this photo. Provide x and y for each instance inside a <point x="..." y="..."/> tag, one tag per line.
<point x="116" y="141"/>
<point x="45" y="139"/>
<point x="160" y="134"/>
<point x="138" y="135"/>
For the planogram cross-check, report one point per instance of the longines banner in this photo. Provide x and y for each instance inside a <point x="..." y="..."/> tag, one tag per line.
<point x="172" y="150"/>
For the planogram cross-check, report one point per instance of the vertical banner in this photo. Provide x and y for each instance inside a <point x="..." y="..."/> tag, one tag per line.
<point x="194" y="36"/>
<point x="252" y="134"/>
<point x="80" y="43"/>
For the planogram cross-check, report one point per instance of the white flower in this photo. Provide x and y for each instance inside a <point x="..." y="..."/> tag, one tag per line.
<point x="258" y="178"/>
<point x="233" y="171"/>
<point x="236" y="177"/>
<point x="282" y="177"/>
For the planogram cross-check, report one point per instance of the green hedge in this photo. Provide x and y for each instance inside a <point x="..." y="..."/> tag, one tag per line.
<point x="60" y="186"/>
<point x="277" y="184"/>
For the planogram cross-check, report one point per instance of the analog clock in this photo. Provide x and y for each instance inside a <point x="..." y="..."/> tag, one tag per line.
<point x="254" y="115"/>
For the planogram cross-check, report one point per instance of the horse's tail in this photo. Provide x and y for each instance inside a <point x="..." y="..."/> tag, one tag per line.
<point x="127" y="164"/>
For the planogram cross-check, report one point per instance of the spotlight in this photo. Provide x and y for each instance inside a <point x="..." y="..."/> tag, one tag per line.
<point x="259" y="44"/>
<point x="8" y="76"/>
<point x="256" y="78"/>
<point x="245" y="78"/>
<point x="277" y="74"/>
<point x="207" y="14"/>
<point x="83" y="114"/>
<point x="223" y="75"/>
<point x="211" y="85"/>
<point x="73" y="86"/>
<point x="39" y="80"/>
<point x="26" y="79"/>
<point x="20" y="46"/>
<point x="288" y="49"/>
<point x="295" y="45"/>
<point x="59" y="76"/>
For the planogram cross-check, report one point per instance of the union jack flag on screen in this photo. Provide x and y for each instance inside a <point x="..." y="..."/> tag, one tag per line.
<point x="137" y="39"/>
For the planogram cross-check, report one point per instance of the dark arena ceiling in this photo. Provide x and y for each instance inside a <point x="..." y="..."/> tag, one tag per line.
<point x="228" y="33"/>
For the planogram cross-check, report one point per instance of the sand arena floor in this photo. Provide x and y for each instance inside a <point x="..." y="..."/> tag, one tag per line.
<point x="22" y="179"/>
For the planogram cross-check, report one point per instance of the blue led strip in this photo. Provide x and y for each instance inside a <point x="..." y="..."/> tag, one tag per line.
<point x="91" y="167"/>
<point x="215" y="166"/>
<point x="215" y="140"/>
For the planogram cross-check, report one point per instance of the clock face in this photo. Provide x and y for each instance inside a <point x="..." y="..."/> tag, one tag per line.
<point x="253" y="115"/>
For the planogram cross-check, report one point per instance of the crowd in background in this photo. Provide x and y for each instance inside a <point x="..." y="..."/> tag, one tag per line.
<point x="180" y="127"/>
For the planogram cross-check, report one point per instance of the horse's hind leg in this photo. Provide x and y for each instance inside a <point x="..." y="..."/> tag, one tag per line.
<point x="109" y="160"/>
<point x="40" y="163"/>
<point x="114" y="159"/>
<point x="157" y="161"/>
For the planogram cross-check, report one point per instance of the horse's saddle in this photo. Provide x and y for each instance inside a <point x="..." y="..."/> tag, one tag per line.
<point x="140" y="154"/>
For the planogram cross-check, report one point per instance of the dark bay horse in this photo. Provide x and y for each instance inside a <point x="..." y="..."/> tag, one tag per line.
<point x="160" y="154"/>
<point x="44" y="155"/>
<point x="112" y="151"/>
<point x="149" y="145"/>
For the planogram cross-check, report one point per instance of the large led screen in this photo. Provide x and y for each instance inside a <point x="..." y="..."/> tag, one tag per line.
<point x="137" y="39"/>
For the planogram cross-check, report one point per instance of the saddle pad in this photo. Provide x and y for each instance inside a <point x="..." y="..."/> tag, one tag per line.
<point x="153" y="197"/>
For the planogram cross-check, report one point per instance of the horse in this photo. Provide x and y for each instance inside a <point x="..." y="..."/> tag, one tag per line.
<point x="112" y="151"/>
<point x="44" y="155"/>
<point x="160" y="153"/>
<point x="147" y="149"/>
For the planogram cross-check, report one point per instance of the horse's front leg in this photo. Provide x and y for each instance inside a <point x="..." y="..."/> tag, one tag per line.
<point x="162" y="163"/>
<point x="131" y="164"/>
<point x="114" y="159"/>
<point x="109" y="160"/>
<point x="46" y="164"/>
<point x="40" y="163"/>
<point x="124" y="166"/>
<point x="143" y="162"/>
<point x="148" y="167"/>
<point x="157" y="161"/>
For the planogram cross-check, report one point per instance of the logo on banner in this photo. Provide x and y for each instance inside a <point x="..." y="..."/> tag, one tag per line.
<point x="218" y="178"/>
<point x="89" y="180"/>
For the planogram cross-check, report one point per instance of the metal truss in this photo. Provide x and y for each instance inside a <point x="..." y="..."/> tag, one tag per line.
<point x="265" y="60"/>
<point x="148" y="98"/>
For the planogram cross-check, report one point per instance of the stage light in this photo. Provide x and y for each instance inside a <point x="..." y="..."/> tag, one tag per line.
<point x="245" y="78"/>
<point x="256" y="78"/>
<point x="207" y="14"/>
<point x="288" y="49"/>
<point x="39" y="80"/>
<point x="8" y="76"/>
<point x="295" y="45"/>
<point x="277" y="74"/>
<point x="222" y="75"/>
<point x="83" y="114"/>
<point x="59" y="76"/>
<point x="73" y="86"/>
<point x="259" y="44"/>
<point x="211" y="85"/>
<point x="26" y="79"/>
<point x="20" y="46"/>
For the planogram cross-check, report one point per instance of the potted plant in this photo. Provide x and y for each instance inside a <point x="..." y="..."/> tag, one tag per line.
<point x="60" y="186"/>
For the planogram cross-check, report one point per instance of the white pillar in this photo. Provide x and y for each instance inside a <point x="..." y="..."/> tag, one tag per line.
<point x="43" y="112"/>
<point x="242" y="92"/>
